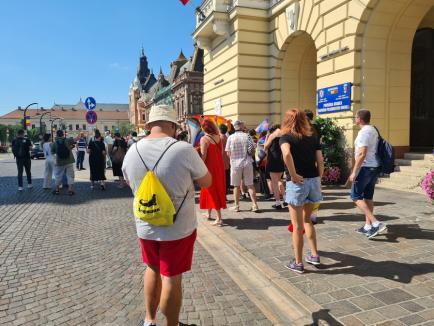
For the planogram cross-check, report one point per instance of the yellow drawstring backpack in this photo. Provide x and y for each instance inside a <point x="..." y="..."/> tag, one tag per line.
<point x="152" y="202"/>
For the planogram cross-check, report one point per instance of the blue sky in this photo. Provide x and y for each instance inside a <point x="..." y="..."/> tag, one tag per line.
<point x="61" y="50"/>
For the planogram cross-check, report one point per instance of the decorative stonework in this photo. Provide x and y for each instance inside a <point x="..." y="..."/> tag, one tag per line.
<point x="292" y="14"/>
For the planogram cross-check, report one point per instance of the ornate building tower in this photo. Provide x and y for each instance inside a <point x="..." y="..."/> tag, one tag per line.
<point x="187" y="87"/>
<point x="141" y="85"/>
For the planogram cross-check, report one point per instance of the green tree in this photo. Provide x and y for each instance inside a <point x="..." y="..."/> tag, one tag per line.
<point x="124" y="128"/>
<point x="33" y="135"/>
<point x="3" y="134"/>
<point x="12" y="129"/>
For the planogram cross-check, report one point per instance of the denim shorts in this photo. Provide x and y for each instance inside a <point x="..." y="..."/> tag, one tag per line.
<point x="298" y="194"/>
<point x="364" y="184"/>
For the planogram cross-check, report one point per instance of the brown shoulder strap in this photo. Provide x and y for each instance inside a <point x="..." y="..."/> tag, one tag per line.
<point x="212" y="139"/>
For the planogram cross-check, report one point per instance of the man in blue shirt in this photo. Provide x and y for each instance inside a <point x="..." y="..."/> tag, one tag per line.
<point x="81" y="150"/>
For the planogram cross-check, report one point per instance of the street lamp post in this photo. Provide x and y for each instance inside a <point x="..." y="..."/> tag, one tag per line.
<point x="40" y="121"/>
<point x="52" y="121"/>
<point x="25" y="111"/>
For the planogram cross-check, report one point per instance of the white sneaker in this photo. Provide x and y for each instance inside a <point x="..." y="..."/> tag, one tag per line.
<point x="255" y="208"/>
<point x="20" y="188"/>
<point x="30" y="186"/>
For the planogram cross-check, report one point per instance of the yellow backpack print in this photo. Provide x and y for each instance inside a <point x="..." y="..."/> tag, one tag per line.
<point x="152" y="203"/>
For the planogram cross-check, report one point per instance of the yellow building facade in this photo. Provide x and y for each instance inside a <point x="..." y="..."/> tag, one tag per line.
<point x="263" y="57"/>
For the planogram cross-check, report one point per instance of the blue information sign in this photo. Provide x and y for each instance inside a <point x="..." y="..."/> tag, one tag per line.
<point x="90" y="103"/>
<point x="334" y="99"/>
<point x="91" y="117"/>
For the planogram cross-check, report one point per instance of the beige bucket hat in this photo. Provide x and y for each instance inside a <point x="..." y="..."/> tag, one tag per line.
<point x="162" y="113"/>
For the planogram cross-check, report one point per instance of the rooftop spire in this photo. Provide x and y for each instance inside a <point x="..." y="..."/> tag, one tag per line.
<point x="181" y="57"/>
<point x="143" y="52"/>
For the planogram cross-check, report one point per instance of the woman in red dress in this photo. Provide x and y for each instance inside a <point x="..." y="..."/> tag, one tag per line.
<point x="211" y="149"/>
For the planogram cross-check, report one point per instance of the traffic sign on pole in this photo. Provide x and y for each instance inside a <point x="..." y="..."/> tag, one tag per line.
<point x="91" y="117"/>
<point x="90" y="103"/>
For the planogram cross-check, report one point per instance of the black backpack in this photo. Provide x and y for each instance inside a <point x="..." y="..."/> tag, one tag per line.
<point x="386" y="155"/>
<point x="62" y="150"/>
<point x="18" y="149"/>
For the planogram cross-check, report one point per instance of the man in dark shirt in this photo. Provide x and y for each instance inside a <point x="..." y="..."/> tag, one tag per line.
<point x="21" y="148"/>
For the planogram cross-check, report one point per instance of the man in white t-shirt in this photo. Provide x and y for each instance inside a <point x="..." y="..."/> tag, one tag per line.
<point x="167" y="250"/>
<point x="365" y="173"/>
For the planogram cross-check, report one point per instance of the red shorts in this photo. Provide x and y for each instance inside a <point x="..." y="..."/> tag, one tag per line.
<point x="171" y="257"/>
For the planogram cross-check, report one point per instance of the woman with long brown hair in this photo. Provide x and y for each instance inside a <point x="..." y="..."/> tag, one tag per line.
<point x="304" y="165"/>
<point x="213" y="197"/>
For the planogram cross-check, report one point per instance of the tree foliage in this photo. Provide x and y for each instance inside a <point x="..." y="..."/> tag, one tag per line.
<point x="124" y="128"/>
<point x="333" y="142"/>
<point x="13" y="129"/>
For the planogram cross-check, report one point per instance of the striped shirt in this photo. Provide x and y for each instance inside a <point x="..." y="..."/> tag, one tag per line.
<point x="81" y="144"/>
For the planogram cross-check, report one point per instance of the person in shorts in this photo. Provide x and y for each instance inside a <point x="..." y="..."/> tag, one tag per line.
<point x="304" y="166"/>
<point x="167" y="251"/>
<point x="365" y="173"/>
<point x="240" y="148"/>
<point x="63" y="166"/>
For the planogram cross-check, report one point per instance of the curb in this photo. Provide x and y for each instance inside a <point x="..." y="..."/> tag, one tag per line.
<point x="281" y="302"/>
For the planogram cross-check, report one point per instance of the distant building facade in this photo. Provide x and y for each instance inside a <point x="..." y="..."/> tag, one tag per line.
<point x="182" y="88"/>
<point x="72" y="117"/>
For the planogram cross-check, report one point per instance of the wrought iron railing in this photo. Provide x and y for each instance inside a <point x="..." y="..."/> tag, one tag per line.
<point x="208" y="6"/>
<point x="205" y="9"/>
<point x="274" y="2"/>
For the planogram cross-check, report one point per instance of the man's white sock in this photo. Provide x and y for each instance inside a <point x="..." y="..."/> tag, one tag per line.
<point x="148" y="323"/>
<point x="376" y="224"/>
<point x="367" y="227"/>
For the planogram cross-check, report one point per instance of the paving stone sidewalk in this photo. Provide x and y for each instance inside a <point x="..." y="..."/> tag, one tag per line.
<point x="76" y="261"/>
<point x="385" y="281"/>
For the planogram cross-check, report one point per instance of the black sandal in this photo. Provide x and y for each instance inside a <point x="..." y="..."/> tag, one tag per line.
<point x="71" y="193"/>
<point x="56" y="192"/>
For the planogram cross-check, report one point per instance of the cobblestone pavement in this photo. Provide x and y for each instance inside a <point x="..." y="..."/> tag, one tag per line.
<point x="385" y="281"/>
<point x="76" y="261"/>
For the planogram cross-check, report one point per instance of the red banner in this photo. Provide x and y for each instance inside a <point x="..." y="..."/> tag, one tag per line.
<point x="184" y="2"/>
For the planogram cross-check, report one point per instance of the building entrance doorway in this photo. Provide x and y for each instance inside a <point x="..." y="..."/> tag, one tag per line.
<point x="299" y="74"/>
<point x="422" y="91"/>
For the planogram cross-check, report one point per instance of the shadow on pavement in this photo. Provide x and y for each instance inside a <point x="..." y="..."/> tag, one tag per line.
<point x="323" y="315"/>
<point x="391" y="270"/>
<point x="255" y="223"/>
<point x="329" y="192"/>
<point x="348" y="205"/>
<point x="330" y="198"/>
<point x="406" y="231"/>
<point x="9" y="194"/>
<point x="342" y="217"/>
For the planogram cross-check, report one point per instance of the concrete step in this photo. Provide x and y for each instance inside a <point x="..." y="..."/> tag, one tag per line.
<point x="279" y="300"/>
<point x="399" y="184"/>
<point x="404" y="181"/>
<point x="406" y="178"/>
<point x="418" y="156"/>
<point x="411" y="170"/>
<point x="416" y="163"/>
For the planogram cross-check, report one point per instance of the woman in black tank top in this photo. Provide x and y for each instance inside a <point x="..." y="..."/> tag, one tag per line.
<point x="275" y="165"/>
